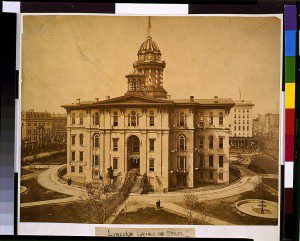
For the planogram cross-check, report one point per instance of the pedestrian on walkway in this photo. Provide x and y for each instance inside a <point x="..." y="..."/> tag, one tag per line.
<point x="158" y="204"/>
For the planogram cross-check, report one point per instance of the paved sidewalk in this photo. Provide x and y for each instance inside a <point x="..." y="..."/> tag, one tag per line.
<point x="173" y="208"/>
<point x="49" y="180"/>
<point x="53" y="201"/>
<point x="246" y="183"/>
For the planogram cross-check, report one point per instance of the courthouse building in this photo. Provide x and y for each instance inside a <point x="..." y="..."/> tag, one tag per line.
<point x="176" y="142"/>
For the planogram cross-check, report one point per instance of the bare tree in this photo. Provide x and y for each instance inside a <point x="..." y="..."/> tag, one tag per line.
<point x="191" y="203"/>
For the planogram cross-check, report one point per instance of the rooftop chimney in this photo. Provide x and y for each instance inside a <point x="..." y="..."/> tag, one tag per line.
<point x="96" y="99"/>
<point x="107" y="97"/>
<point x="78" y="101"/>
<point x="192" y="98"/>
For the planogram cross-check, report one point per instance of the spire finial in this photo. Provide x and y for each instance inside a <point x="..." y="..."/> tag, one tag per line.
<point x="240" y="92"/>
<point x="149" y="26"/>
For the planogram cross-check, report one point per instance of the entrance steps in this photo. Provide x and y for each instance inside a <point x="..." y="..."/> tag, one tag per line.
<point x="136" y="190"/>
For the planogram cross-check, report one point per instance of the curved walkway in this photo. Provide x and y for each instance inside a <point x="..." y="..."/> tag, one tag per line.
<point x="49" y="180"/>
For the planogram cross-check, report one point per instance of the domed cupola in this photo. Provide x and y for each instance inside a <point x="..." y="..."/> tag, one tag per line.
<point x="151" y="67"/>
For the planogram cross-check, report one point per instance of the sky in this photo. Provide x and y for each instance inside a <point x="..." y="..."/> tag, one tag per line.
<point x="70" y="57"/>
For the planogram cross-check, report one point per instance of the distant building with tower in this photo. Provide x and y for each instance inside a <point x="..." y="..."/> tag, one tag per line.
<point x="177" y="143"/>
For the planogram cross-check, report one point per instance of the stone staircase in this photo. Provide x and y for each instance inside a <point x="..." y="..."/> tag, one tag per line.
<point x="136" y="190"/>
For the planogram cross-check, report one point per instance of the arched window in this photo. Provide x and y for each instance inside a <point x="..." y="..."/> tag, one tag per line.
<point x="96" y="141"/>
<point x="133" y="119"/>
<point x="73" y="119"/>
<point x="211" y="118"/>
<point x="81" y="139"/>
<point x="182" y="143"/>
<point x="115" y="119"/>
<point x="221" y="119"/>
<point x="182" y="119"/>
<point x="211" y="142"/>
<point x="97" y="119"/>
<point x="151" y="118"/>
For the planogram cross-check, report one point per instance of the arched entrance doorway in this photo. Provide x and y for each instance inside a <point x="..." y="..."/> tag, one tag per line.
<point x="133" y="153"/>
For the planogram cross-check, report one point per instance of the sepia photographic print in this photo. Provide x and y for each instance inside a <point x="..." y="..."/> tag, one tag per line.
<point x="150" y="120"/>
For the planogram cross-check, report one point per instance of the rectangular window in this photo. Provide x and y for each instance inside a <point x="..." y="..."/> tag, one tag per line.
<point x="73" y="140"/>
<point x="73" y="169"/>
<point x="221" y="161"/>
<point x="201" y="161"/>
<point x="115" y="144"/>
<point x="73" y="119"/>
<point x="221" y="122"/>
<point x="211" y="175"/>
<point x="96" y="160"/>
<point x="247" y="128"/>
<point x="211" y="142"/>
<point x="73" y="156"/>
<point x="151" y="165"/>
<point x="81" y="156"/>
<point x="115" y="163"/>
<point x="151" y="144"/>
<point x="201" y="142"/>
<point x="201" y="121"/>
<point x="181" y="163"/>
<point x="182" y="119"/>
<point x="81" y="121"/>
<point x="115" y="119"/>
<point x="221" y="142"/>
<point x="80" y="169"/>
<point x="151" y="121"/>
<point x="221" y="176"/>
<point x="211" y="160"/>
<point x="211" y="119"/>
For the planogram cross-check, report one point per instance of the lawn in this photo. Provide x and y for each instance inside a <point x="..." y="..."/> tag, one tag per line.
<point x="26" y="171"/>
<point x="58" y="213"/>
<point x="150" y="215"/>
<point x="263" y="164"/>
<point x="272" y="182"/>
<point x="55" y="159"/>
<point x="35" y="192"/>
<point x="225" y="209"/>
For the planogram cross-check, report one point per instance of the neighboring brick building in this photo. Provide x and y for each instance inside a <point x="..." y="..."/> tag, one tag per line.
<point x="241" y="124"/>
<point x="42" y="128"/>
